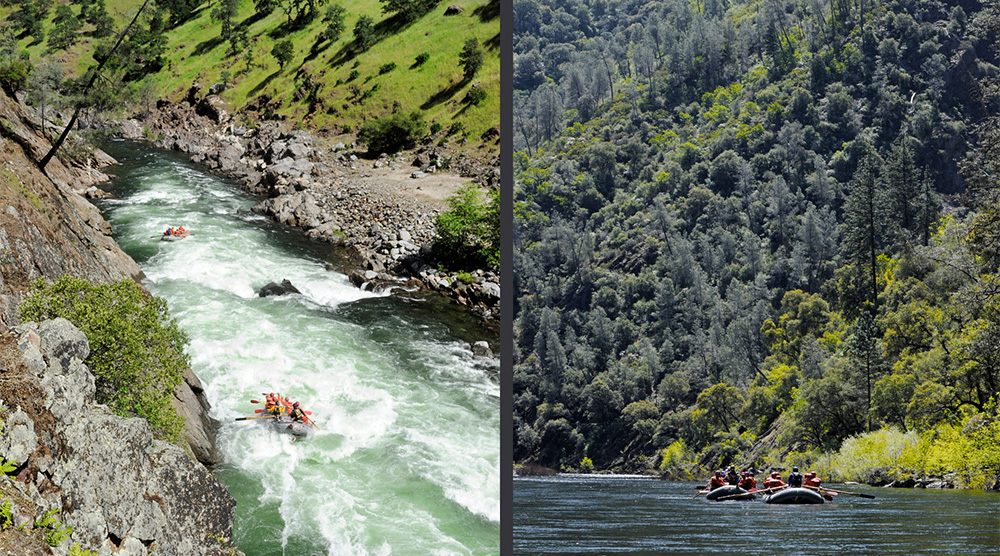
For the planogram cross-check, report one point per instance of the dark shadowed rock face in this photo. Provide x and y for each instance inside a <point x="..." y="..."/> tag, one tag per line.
<point x="121" y="491"/>
<point x="273" y="288"/>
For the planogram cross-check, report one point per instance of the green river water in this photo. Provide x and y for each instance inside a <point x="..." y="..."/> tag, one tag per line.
<point x="407" y="458"/>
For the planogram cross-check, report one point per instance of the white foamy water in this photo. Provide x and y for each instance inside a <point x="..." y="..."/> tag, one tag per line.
<point x="406" y="460"/>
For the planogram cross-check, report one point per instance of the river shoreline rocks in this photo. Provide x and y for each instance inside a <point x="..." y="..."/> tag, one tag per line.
<point x="121" y="491"/>
<point x="382" y="210"/>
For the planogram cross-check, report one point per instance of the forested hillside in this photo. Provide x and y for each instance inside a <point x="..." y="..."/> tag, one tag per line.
<point x="747" y="232"/>
<point x="320" y="64"/>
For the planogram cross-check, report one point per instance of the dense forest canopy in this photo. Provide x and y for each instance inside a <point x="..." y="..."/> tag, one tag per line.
<point x="752" y="226"/>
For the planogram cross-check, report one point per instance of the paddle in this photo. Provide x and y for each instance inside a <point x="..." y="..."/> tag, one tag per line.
<point x="737" y="495"/>
<point x="310" y="421"/>
<point x="699" y="493"/>
<point x="249" y="418"/>
<point x="861" y="494"/>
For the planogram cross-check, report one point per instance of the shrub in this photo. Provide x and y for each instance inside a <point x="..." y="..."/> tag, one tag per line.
<point x="283" y="51"/>
<point x="456" y="127"/>
<point x="435" y="127"/>
<point x="420" y="59"/>
<point x="386" y="68"/>
<point x="476" y="95"/>
<point x="353" y="75"/>
<point x="466" y="277"/>
<point x="136" y="348"/>
<point x="675" y="456"/>
<point x="6" y="515"/>
<point x="392" y="133"/>
<point x="471" y="58"/>
<point x="469" y="231"/>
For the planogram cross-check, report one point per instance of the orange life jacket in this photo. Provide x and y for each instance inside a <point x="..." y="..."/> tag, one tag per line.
<point x="771" y="482"/>
<point x="748" y="482"/>
<point x="812" y="482"/>
<point x="716" y="482"/>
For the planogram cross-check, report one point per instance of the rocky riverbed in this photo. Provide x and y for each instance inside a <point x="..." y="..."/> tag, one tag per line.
<point x="381" y="210"/>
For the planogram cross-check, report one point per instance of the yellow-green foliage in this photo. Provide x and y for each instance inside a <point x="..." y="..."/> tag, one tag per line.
<point x="972" y="451"/>
<point x="136" y="348"/>
<point x="675" y="456"/>
<point x="77" y="550"/>
<point x="862" y="456"/>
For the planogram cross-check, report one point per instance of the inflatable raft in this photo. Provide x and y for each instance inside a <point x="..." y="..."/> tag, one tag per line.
<point x="167" y="237"/>
<point x="794" y="496"/>
<point x="285" y="425"/>
<point x="731" y="491"/>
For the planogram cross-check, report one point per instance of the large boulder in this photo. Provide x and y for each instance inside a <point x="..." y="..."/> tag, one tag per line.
<point x="122" y="491"/>
<point x="284" y="288"/>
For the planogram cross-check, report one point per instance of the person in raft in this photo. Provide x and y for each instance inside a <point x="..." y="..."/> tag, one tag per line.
<point x="811" y="480"/>
<point x="747" y="482"/>
<point x="716" y="481"/>
<point x="774" y="481"/>
<point x="795" y="478"/>
<point x="732" y="477"/>
<point x="297" y="415"/>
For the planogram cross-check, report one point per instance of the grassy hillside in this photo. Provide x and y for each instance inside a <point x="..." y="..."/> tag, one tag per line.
<point x="437" y="88"/>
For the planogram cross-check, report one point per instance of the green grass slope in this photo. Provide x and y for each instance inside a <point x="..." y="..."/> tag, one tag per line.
<point x="436" y="88"/>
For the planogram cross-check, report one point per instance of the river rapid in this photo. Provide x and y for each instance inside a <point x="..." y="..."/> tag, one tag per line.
<point x="592" y="514"/>
<point x="407" y="457"/>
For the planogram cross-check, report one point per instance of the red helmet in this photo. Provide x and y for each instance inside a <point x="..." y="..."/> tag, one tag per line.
<point x="296" y="404"/>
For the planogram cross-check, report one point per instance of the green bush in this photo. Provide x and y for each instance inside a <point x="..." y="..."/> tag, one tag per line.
<point x="136" y="348"/>
<point x="392" y="133"/>
<point x="476" y="95"/>
<point x="435" y="127"/>
<point x="457" y="127"/>
<point x="353" y="75"/>
<point x="466" y="277"/>
<point x="386" y="68"/>
<point x="469" y="231"/>
<point x="421" y="58"/>
<point x="6" y="515"/>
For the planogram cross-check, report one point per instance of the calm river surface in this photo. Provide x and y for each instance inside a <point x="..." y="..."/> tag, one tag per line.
<point x="407" y="461"/>
<point x="586" y="514"/>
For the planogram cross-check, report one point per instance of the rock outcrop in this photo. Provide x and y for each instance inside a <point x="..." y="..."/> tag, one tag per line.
<point x="120" y="490"/>
<point x="48" y="228"/>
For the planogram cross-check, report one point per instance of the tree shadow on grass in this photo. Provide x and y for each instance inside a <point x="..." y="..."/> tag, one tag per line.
<point x="316" y="50"/>
<point x="444" y="95"/>
<point x="260" y="86"/>
<point x="204" y="47"/>
<point x="493" y="42"/>
<point x="488" y="12"/>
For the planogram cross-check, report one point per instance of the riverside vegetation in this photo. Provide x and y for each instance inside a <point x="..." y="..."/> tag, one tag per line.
<point x="761" y="234"/>
<point x="136" y="348"/>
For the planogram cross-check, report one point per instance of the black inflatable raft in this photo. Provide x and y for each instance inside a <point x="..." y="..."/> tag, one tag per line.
<point x="285" y="425"/>
<point x="794" y="496"/>
<point x="729" y="490"/>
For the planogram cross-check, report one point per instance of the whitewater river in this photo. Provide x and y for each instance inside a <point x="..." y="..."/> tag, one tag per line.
<point x="407" y="458"/>
<point x="592" y="514"/>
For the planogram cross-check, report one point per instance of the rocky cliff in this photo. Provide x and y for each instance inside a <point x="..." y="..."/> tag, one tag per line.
<point x="48" y="228"/>
<point x="119" y="490"/>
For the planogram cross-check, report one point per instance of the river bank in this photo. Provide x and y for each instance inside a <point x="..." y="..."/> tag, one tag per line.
<point x="381" y="210"/>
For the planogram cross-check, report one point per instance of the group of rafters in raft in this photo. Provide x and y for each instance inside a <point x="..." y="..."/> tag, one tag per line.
<point x="800" y="489"/>
<point x="283" y="415"/>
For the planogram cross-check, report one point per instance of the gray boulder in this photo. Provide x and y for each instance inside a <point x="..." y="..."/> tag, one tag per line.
<point x="284" y="288"/>
<point x="482" y="349"/>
